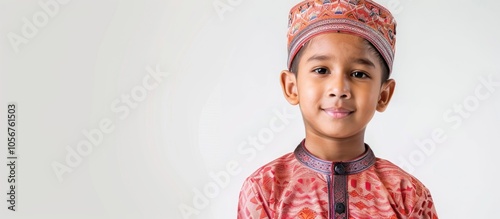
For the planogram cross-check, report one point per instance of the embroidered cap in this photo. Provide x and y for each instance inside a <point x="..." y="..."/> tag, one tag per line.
<point x="363" y="18"/>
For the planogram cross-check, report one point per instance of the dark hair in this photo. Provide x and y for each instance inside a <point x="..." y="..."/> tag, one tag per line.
<point x="385" y="69"/>
<point x="294" y="67"/>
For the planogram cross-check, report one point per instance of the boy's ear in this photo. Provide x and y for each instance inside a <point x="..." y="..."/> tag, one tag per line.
<point x="385" y="94"/>
<point x="289" y="85"/>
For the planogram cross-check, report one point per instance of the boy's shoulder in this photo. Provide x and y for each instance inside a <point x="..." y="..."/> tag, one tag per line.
<point x="395" y="178"/>
<point x="279" y="165"/>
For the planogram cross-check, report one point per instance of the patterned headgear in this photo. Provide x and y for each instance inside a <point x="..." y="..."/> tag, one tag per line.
<point x="363" y="18"/>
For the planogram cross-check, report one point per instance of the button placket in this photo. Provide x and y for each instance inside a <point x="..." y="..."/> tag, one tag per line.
<point x="339" y="191"/>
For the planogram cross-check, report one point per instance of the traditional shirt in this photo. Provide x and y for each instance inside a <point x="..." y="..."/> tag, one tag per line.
<point x="300" y="185"/>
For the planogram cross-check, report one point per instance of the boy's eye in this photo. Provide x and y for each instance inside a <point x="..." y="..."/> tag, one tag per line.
<point x="321" y="71"/>
<point x="358" y="74"/>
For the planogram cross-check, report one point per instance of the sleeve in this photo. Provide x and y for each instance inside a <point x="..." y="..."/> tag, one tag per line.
<point x="424" y="208"/>
<point x="251" y="204"/>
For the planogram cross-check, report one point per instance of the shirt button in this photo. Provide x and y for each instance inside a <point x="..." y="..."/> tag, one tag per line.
<point x="340" y="208"/>
<point x="339" y="169"/>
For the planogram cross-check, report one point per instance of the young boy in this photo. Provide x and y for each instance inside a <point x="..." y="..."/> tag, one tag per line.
<point x="340" y="59"/>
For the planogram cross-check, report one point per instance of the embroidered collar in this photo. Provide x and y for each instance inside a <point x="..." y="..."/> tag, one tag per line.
<point x="361" y="163"/>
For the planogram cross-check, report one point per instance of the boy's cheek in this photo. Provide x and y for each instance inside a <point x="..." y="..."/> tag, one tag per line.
<point x="309" y="96"/>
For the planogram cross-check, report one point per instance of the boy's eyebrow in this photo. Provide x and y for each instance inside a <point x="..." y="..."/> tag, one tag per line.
<point x="360" y="60"/>
<point x="319" y="58"/>
<point x="364" y="61"/>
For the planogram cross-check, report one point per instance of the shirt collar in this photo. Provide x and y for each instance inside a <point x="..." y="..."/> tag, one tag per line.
<point x="365" y="161"/>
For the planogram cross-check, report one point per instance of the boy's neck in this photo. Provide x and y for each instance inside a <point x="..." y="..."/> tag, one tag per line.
<point x="335" y="150"/>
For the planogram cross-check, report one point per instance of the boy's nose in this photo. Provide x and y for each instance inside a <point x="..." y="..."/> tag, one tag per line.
<point x="340" y="89"/>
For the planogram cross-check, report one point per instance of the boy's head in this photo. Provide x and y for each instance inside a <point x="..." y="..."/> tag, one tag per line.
<point x="340" y="59"/>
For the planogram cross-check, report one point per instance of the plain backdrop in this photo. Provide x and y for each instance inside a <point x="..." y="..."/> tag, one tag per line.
<point x="184" y="89"/>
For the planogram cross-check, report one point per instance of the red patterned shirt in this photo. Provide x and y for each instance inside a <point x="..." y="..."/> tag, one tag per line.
<point x="300" y="185"/>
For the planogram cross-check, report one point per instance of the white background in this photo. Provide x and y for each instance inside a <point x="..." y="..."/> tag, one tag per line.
<point x="222" y="89"/>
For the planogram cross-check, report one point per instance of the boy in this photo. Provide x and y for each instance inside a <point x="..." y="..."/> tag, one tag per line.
<point x="340" y="59"/>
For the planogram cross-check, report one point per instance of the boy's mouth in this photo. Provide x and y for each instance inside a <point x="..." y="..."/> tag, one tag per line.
<point x="338" y="113"/>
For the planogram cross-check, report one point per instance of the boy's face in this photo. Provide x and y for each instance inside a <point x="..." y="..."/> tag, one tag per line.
<point x="338" y="85"/>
